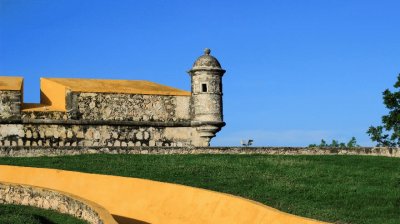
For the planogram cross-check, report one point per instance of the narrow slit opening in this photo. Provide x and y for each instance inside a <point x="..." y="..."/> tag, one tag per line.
<point x="204" y="88"/>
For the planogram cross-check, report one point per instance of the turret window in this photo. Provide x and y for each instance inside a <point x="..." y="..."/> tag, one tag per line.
<point x="204" y="88"/>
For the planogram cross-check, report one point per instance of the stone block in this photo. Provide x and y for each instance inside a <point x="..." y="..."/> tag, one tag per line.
<point x="80" y="134"/>
<point x="41" y="134"/>
<point x="29" y="134"/>
<point x="139" y="136"/>
<point x="146" y="135"/>
<point x="115" y="135"/>
<point x="152" y="143"/>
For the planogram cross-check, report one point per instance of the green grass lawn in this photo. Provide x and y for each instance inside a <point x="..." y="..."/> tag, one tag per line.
<point x="19" y="214"/>
<point x="340" y="189"/>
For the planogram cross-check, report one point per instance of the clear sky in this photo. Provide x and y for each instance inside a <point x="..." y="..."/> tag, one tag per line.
<point x="297" y="71"/>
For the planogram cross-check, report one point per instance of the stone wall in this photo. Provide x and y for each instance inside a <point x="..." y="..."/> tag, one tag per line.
<point x="131" y="107"/>
<point x="10" y="105"/>
<point x="55" y="135"/>
<point x="99" y="119"/>
<point x="57" y="151"/>
<point x="44" y="115"/>
<point x="207" y="105"/>
<point x="49" y="199"/>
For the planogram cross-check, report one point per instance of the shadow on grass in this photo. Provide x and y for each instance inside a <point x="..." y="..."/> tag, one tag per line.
<point x="43" y="220"/>
<point x="126" y="220"/>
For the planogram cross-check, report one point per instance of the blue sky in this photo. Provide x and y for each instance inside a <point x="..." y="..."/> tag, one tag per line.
<point x="297" y="71"/>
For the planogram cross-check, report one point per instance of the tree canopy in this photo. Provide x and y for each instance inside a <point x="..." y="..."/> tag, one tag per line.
<point x="388" y="134"/>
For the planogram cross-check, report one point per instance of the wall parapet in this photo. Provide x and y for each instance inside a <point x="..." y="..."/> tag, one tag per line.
<point x="134" y="200"/>
<point x="65" y="203"/>
<point x="21" y="151"/>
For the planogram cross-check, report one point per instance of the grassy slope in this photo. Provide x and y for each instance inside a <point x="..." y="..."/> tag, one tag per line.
<point x="18" y="214"/>
<point x="341" y="189"/>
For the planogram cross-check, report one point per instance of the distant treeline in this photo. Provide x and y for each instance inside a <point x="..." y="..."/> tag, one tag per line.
<point x="336" y="144"/>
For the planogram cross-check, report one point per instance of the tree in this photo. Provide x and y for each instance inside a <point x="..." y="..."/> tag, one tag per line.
<point x="336" y="144"/>
<point x="323" y="143"/>
<point x="388" y="134"/>
<point x="352" y="143"/>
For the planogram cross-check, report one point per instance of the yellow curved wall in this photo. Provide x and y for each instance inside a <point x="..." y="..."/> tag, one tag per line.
<point x="151" y="201"/>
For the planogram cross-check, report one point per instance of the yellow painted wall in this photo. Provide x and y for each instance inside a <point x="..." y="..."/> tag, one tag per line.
<point x="118" y="86"/>
<point x="52" y="94"/>
<point x="151" y="201"/>
<point x="11" y="83"/>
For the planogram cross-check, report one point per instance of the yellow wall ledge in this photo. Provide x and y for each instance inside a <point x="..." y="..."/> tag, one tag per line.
<point x="11" y="83"/>
<point x="116" y="86"/>
<point x="133" y="200"/>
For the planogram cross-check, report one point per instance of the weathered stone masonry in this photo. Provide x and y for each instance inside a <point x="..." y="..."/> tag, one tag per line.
<point x="127" y="107"/>
<point x="59" y="151"/>
<point x="54" y="200"/>
<point x="10" y="102"/>
<point x="93" y="135"/>
<point x="84" y="112"/>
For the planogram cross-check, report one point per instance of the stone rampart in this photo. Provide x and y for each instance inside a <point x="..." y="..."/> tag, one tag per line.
<point x="59" y="151"/>
<point x="82" y="112"/>
<point x="10" y="105"/>
<point x="54" y="200"/>
<point x="132" y="107"/>
<point x="87" y="135"/>
<point x="96" y="112"/>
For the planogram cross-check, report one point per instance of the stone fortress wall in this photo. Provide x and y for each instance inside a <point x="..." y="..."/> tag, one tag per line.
<point x="10" y="102"/>
<point x="84" y="112"/>
<point x="62" y="151"/>
<point x="65" y="203"/>
<point x="93" y="135"/>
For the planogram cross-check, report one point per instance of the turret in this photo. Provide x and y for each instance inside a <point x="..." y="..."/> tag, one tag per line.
<point x="206" y="103"/>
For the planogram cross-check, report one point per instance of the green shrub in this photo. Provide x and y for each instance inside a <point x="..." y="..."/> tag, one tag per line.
<point x="336" y="144"/>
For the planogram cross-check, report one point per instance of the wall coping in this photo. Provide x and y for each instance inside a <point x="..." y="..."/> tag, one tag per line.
<point x="50" y="199"/>
<point x="117" y="86"/>
<point x="11" y="83"/>
<point x="135" y="200"/>
<point x="34" y="151"/>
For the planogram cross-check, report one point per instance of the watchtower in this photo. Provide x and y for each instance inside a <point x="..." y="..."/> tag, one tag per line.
<point x="206" y="102"/>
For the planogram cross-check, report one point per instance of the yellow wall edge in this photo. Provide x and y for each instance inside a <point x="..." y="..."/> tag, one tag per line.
<point x="118" y="86"/>
<point x="13" y="83"/>
<point x="52" y="94"/>
<point x="151" y="201"/>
